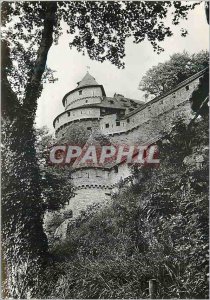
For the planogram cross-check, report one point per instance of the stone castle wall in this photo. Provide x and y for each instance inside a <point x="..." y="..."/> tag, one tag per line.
<point x="89" y="95"/>
<point x="67" y="117"/>
<point x="144" y="125"/>
<point x="151" y="110"/>
<point x="89" y="125"/>
<point x="87" y="196"/>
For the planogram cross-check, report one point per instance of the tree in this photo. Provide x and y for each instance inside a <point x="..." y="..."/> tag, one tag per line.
<point x="30" y="28"/>
<point x="55" y="181"/>
<point x="165" y="76"/>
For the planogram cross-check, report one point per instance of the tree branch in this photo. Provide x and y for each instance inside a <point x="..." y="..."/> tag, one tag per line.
<point x="9" y="100"/>
<point x="34" y="86"/>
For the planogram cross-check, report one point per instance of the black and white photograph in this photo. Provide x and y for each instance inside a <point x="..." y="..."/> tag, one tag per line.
<point x="104" y="149"/>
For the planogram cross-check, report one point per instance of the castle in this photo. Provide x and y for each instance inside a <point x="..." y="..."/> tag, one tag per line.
<point x="122" y="120"/>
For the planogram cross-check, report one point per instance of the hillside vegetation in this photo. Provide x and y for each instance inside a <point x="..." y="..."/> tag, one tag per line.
<point x="155" y="228"/>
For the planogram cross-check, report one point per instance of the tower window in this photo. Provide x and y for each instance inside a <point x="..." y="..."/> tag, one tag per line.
<point x="187" y="88"/>
<point x="89" y="128"/>
<point x="107" y="125"/>
<point x="116" y="169"/>
<point x="128" y="120"/>
<point x="69" y="113"/>
<point x="80" y="92"/>
<point x="118" y="123"/>
<point x="86" y="101"/>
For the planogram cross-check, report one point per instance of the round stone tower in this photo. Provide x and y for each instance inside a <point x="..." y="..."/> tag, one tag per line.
<point x="81" y="105"/>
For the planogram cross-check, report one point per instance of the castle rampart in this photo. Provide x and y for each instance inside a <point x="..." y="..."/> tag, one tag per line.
<point x="143" y="125"/>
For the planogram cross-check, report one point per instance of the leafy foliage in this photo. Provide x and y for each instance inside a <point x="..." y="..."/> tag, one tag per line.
<point x="200" y="97"/>
<point x="97" y="28"/>
<point x="167" y="75"/>
<point x="157" y="228"/>
<point x="55" y="182"/>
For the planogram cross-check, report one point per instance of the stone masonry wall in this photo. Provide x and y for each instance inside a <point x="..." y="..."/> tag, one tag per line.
<point x="88" y="93"/>
<point x="89" y="125"/>
<point x="162" y="106"/>
<point x="77" y="114"/>
<point x="85" y="197"/>
<point x="144" y="126"/>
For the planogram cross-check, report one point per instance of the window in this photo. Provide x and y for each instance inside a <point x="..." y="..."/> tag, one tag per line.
<point x="86" y="101"/>
<point x="58" y="120"/>
<point x="111" y="101"/>
<point x="80" y="92"/>
<point x="187" y="88"/>
<point x="118" y="123"/>
<point x="107" y="125"/>
<point x="69" y="113"/>
<point x="81" y="112"/>
<point x="89" y="128"/>
<point x="128" y="120"/>
<point x="116" y="169"/>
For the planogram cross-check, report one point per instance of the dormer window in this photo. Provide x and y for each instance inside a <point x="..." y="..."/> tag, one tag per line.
<point x="80" y="92"/>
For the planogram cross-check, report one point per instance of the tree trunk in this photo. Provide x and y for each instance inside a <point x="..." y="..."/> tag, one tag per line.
<point x="24" y="241"/>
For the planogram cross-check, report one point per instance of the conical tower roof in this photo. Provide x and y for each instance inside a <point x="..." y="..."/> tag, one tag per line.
<point x="87" y="80"/>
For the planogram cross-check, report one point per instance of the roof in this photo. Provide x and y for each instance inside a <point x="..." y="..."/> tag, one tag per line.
<point x="87" y="80"/>
<point x="119" y="101"/>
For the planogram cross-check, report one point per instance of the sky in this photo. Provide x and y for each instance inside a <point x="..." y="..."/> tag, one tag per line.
<point x="71" y="66"/>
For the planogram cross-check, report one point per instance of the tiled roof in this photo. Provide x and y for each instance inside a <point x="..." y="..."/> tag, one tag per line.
<point x="116" y="103"/>
<point x="119" y="101"/>
<point x="87" y="80"/>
